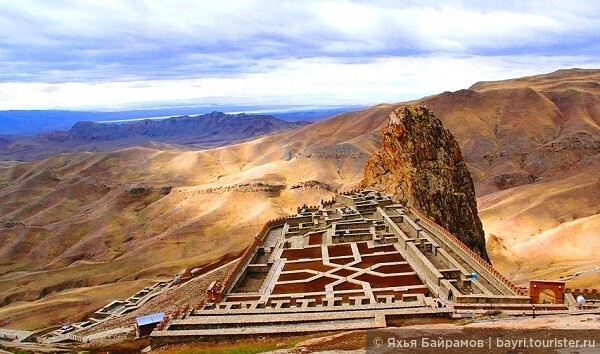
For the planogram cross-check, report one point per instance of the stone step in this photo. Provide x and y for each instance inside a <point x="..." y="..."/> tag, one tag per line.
<point x="400" y="305"/>
<point x="508" y="306"/>
<point x="268" y="328"/>
<point x="269" y="319"/>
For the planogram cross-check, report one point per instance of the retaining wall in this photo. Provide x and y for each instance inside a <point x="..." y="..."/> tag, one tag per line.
<point x="467" y="250"/>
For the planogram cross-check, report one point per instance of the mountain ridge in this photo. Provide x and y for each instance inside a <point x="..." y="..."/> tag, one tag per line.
<point x="202" y="127"/>
<point x="61" y="213"/>
<point x="208" y="130"/>
<point x="36" y="121"/>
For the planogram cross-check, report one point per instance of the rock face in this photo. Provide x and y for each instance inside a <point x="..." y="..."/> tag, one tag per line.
<point x="421" y="165"/>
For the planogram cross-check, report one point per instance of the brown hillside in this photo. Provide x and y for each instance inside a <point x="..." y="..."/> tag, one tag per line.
<point x="82" y="220"/>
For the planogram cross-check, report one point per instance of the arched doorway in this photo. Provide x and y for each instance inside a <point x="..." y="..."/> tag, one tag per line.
<point x="546" y="296"/>
<point x="546" y="291"/>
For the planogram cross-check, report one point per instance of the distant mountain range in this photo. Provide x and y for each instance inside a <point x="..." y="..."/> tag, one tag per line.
<point x="209" y="130"/>
<point x="31" y="122"/>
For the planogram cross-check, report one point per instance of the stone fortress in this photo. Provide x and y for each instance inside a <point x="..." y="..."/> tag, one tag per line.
<point x="356" y="262"/>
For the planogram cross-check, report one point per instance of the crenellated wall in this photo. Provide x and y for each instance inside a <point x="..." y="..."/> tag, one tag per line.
<point x="592" y="294"/>
<point x="467" y="250"/>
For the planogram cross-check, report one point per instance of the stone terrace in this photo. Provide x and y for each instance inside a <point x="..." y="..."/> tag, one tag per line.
<point x="352" y="263"/>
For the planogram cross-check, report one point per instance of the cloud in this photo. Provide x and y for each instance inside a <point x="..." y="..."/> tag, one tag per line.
<point x="95" y="44"/>
<point x="302" y="81"/>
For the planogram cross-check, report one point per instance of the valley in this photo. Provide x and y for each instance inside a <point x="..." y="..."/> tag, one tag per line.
<point x="77" y="226"/>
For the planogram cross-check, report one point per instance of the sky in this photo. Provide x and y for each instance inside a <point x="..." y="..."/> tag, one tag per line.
<point x="111" y="55"/>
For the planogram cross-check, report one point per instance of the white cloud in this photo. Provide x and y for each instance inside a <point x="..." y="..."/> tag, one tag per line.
<point x="103" y="53"/>
<point x="308" y="81"/>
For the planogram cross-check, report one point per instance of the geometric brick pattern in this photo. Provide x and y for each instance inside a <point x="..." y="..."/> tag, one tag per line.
<point x="345" y="264"/>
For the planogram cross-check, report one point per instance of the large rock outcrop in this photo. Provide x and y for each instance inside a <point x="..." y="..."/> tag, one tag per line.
<point x="421" y="165"/>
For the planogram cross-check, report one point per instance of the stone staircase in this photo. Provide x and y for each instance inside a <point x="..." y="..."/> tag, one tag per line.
<point x="67" y="337"/>
<point x="200" y="328"/>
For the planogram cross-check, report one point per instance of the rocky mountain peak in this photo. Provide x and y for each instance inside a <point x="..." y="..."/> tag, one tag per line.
<point x="421" y="165"/>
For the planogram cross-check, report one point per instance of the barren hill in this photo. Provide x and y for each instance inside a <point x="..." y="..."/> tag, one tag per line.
<point x="80" y="220"/>
<point x="533" y="145"/>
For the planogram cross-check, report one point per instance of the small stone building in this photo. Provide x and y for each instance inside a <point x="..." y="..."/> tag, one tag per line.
<point x="145" y="324"/>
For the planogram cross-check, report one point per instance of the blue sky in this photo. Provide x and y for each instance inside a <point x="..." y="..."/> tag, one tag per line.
<point x="120" y="54"/>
